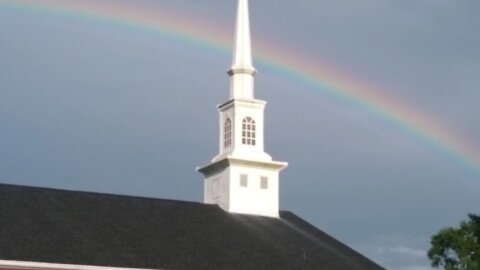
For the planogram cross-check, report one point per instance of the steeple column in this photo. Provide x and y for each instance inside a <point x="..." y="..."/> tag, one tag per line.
<point x="241" y="84"/>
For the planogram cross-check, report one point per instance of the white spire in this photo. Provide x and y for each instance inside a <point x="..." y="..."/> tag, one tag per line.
<point x="242" y="70"/>
<point x="242" y="55"/>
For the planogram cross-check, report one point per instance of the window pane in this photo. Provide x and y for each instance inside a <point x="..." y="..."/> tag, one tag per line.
<point x="264" y="183"/>
<point x="244" y="180"/>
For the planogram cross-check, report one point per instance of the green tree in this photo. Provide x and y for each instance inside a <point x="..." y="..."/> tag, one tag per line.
<point x="457" y="248"/>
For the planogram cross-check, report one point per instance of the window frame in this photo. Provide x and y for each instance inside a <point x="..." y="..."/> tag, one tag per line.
<point x="249" y="131"/>
<point x="227" y="133"/>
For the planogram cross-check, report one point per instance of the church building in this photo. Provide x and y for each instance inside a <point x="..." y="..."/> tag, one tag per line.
<point x="239" y="225"/>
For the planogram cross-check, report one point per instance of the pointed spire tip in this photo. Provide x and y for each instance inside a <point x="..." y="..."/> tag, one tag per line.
<point x="242" y="55"/>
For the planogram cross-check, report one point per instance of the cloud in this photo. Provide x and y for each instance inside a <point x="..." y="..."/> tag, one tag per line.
<point x="414" y="267"/>
<point x="402" y="258"/>
<point x="397" y="251"/>
<point x="419" y="253"/>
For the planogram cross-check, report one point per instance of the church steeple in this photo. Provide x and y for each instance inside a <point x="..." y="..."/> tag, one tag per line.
<point x="242" y="178"/>
<point x="242" y="71"/>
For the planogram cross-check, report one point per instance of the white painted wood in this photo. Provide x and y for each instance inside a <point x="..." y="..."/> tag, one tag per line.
<point x="242" y="71"/>
<point x="22" y="265"/>
<point x="242" y="154"/>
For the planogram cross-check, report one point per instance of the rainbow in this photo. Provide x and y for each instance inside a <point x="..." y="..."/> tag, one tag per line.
<point x="318" y="74"/>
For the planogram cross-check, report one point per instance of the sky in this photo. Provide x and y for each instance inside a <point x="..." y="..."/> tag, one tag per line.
<point x="95" y="103"/>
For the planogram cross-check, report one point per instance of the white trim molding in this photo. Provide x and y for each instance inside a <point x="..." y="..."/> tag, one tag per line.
<point x="22" y="265"/>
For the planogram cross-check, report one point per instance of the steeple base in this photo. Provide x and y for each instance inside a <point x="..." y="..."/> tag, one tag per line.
<point x="243" y="186"/>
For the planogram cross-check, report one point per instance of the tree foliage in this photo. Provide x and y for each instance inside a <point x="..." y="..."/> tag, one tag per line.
<point x="457" y="248"/>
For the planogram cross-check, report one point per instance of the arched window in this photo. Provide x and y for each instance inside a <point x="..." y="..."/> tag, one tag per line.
<point x="248" y="131"/>
<point x="227" y="132"/>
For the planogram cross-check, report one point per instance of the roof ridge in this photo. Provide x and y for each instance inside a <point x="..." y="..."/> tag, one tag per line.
<point x="86" y="192"/>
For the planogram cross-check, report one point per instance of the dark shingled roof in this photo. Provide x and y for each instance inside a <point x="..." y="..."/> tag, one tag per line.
<point x="69" y="227"/>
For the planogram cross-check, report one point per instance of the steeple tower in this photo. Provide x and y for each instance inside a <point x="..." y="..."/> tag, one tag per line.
<point x="242" y="178"/>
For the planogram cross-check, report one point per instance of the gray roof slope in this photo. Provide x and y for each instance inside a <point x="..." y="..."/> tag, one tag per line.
<point x="56" y="226"/>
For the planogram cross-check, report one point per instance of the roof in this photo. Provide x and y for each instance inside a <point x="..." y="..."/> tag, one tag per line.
<point x="71" y="227"/>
